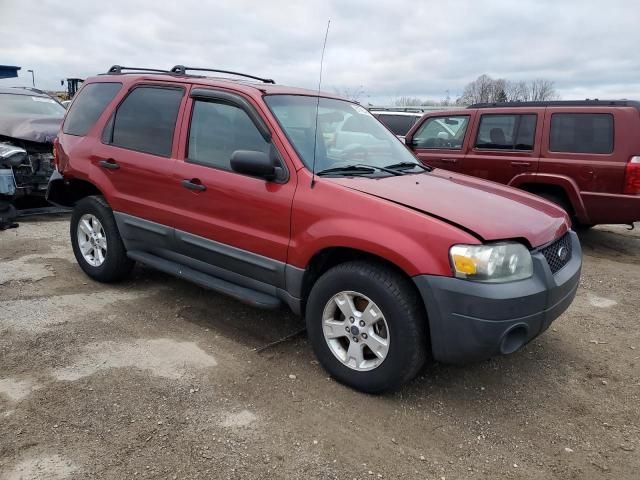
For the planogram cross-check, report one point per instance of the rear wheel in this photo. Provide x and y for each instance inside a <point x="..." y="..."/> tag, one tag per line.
<point x="563" y="203"/>
<point x="96" y="241"/>
<point x="367" y="326"/>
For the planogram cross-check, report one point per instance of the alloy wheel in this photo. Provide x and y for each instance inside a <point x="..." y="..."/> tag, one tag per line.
<point x="356" y="331"/>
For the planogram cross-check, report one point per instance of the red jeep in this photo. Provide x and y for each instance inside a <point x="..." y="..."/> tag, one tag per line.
<point x="275" y="195"/>
<point x="581" y="155"/>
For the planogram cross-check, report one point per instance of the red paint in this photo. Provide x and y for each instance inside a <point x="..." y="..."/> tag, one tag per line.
<point x="411" y="221"/>
<point x="600" y="187"/>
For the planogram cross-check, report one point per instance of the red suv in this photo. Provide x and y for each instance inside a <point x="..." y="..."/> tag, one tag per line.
<point x="581" y="155"/>
<point x="275" y="195"/>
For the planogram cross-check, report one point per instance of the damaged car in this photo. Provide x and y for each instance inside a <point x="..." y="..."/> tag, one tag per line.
<point x="29" y="122"/>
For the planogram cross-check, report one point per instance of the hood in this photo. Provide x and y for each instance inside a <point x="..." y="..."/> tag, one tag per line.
<point x="38" y="129"/>
<point x="490" y="210"/>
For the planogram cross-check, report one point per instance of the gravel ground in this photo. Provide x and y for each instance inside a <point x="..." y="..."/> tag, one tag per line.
<point x="158" y="378"/>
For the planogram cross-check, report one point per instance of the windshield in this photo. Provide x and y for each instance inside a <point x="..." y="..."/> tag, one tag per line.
<point x="13" y="104"/>
<point x="347" y="133"/>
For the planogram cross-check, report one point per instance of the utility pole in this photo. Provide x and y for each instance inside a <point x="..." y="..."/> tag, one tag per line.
<point x="33" y="78"/>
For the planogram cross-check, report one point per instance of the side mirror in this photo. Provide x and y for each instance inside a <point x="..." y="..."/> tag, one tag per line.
<point x="256" y="164"/>
<point x="410" y="142"/>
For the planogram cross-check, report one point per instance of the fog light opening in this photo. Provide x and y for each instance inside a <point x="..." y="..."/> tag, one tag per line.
<point x="513" y="340"/>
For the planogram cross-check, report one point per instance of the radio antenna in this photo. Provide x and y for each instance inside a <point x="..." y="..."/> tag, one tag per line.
<point x="315" y="133"/>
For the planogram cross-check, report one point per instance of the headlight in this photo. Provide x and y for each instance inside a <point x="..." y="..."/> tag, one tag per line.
<point x="494" y="263"/>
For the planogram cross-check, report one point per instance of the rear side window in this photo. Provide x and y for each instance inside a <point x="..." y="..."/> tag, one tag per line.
<point x="581" y="133"/>
<point x="398" y="124"/>
<point x="219" y="129"/>
<point x="507" y="132"/>
<point x="146" y="120"/>
<point x="442" y="132"/>
<point x="88" y="106"/>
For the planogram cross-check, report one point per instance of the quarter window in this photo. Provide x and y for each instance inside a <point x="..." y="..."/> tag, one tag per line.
<point x="581" y="133"/>
<point x="88" y="106"/>
<point x="219" y="129"/>
<point x="507" y="132"/>
<point x="442" y="132"/>
<point x="146" y="120"/>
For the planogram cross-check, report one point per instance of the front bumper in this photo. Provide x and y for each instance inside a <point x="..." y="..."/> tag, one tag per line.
<point x="472" y="321"/>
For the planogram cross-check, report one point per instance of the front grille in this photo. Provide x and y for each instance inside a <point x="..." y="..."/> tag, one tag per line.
<point x="558" y="253"/>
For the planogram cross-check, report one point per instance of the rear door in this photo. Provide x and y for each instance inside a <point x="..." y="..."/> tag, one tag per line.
<point x="237" y="224"/>
<point x="505" y="145"/>
<point x="138" y="158"/>
<point x="441" y="140"/>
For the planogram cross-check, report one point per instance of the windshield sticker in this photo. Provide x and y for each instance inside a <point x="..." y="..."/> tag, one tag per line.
<point x="43" y="99"/>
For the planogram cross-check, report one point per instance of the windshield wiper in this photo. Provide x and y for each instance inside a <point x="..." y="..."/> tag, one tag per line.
<point x="358" y="169"/>
<point x="407" y="165"/>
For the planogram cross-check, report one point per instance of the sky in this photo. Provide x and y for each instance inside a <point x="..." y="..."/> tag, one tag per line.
<point x="380" y="49"/>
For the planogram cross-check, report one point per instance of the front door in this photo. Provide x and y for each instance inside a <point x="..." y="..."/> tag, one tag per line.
<point x="233" y="222"/>
<point x="440" y="141"/>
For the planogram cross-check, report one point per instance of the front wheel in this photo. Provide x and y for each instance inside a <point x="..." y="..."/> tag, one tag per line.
<point x="96" y="241"/>
<point x="367" y="326"/>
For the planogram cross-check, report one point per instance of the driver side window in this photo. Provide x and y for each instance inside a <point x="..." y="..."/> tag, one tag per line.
<point x="442" y="133"/>
<point x="219" y="129"/>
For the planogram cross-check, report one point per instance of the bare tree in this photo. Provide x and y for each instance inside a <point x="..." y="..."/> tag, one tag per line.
<point x="408" y="102"/>
<point x="485" y="89"/>
<point x="517" y="91"/>
<point x="541" y="90"/>
<point x="478" y="91"/>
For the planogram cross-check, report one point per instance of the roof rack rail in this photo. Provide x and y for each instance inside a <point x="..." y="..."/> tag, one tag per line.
<point x="120" y="68"/>
<point x="182" y="70"/>
<point x="398" y="109"/>
<point x="561" y="103"/>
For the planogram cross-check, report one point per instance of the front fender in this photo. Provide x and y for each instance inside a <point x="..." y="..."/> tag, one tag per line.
<point x="413" y="254"/>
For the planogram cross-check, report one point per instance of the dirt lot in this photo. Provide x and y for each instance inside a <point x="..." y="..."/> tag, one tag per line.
<point x="157" y="378"/>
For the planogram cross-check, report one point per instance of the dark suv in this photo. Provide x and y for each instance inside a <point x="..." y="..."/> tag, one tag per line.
<point x="582" y="155"/>
<point x="275" y="195"/>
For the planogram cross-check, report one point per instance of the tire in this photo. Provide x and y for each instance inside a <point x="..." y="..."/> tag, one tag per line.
<point x="566" y="206"/>
<point x="8" y="215"/>
<point x="403" y="326"/>
<point x="111" y="263"/>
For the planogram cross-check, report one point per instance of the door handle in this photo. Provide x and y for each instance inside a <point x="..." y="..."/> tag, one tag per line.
<point x="109" y="164"/>
<point x="521" y="164"/>
<point x="449" y="160"/>
<point x="194" y="184"/>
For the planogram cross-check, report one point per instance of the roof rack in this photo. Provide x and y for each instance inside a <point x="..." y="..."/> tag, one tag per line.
<point x="182" y="70"/>
<point x="119" y="69"/>
<point x="561" y="103"/>
<point x="417" y="109"/>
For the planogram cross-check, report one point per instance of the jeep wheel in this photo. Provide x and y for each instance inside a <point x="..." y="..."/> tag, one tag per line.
<point x="367" y="326"/>
<point x="96" y="241"/>
<point x="563" y="203"/>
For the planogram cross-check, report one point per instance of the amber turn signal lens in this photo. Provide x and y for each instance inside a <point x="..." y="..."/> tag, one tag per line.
<point x="464" y="265"/>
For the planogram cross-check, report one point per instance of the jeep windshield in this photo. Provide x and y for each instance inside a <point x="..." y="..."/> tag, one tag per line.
<point x="20" y="104"/>
<point x="349" y="140"/>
